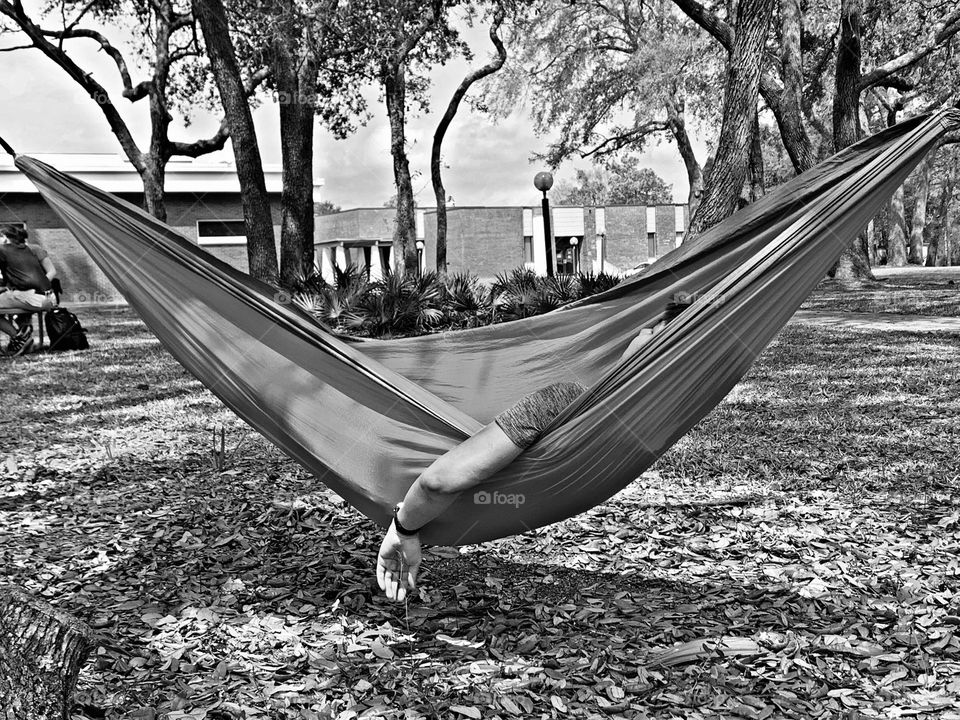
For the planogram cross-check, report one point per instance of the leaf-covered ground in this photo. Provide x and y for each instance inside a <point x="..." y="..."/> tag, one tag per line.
<point x="909" y="290"/>
<point x="796" y="555"/>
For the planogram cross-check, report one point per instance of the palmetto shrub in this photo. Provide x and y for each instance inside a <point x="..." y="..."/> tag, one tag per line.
<point x="592" y="283"/>
<point x="400" y="304"/>
<point x="333" y="304"/>
<point x="521" y="292"/>
<point x="467" y="302"/>
<point x="411" y="304"/>
<point x="518" y="294"/>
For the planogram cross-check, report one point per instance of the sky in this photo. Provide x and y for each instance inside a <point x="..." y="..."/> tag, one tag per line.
<point x="487" y="163"/>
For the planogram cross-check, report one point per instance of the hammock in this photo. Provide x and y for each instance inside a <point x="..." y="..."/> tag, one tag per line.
<point x="367" y="417"/>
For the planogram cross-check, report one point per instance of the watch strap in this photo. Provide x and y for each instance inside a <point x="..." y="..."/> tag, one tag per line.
<point x="401" y="530"/>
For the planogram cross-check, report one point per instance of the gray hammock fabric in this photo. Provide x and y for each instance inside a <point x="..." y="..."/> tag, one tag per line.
<point x="367" y="417"/>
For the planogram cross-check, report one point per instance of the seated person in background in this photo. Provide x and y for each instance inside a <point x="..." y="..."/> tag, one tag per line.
<point x="27" y="274"/>
<point x="473" y="461"/>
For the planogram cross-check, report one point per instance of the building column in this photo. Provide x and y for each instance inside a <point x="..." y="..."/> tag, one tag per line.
<point x="376" y="266"/>
<point x="326" y="265"/>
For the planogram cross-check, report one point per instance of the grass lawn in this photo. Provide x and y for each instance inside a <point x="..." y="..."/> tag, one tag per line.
<point x="909" y="290"/>
<point x="248" y="591"/>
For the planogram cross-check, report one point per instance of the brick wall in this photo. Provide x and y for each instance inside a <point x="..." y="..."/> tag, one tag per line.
<point x="482" y="240"/>
<point x="82" y="279"/>
<point x="666" y="229"/>
<point x="626" y="235"/>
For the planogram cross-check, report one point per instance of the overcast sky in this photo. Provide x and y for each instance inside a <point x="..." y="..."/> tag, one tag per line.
<point x="43" y="111"/>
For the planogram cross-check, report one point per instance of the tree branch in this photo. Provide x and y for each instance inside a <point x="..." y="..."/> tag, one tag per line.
<point x="36" y="34"/>
<point x="218" y="139"/>
<point x="708" y="20"/>
<point x="417" y="35"/>
<point x="942" y="31"/>
<point x="129" y="91"/>
<point x="624" y="139"/>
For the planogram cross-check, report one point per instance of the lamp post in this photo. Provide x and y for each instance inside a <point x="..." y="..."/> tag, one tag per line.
<point x="419" y="258"/>
<point x="574" y="241"/>
<point x="543" y="181"/>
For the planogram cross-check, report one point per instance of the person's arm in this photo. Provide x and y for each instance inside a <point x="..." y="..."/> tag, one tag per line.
<point x="48" y="268"/>
<point x="456" y="471"/>
<point x="642" y="338"/>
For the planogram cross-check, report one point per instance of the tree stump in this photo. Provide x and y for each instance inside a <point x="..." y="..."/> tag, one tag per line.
<point x="41" y="652"/>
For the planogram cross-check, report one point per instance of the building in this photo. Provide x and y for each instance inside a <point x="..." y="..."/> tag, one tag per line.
<point x="490" y="240"/>
<point x="203" y="204"/>
<point x="202" y="199"/>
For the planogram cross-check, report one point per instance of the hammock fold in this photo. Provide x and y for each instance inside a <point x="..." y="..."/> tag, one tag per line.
<point x="367" y="417"/>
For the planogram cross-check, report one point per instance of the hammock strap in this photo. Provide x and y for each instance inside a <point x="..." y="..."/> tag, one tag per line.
<point x="6" y="146"/>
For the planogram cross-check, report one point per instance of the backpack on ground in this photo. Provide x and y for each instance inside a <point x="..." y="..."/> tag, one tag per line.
<point x="65" y="330"/>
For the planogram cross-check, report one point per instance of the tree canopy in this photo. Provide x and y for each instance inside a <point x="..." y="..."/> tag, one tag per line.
<point x="620" y="182"/>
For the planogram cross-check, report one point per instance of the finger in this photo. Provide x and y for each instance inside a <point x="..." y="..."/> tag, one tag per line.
<point x="381" y="569"/>
<point x="412" y="576"/>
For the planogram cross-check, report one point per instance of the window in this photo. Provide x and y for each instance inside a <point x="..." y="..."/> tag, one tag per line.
<point x="528" y="249"/>
<point x="221" y="232"/>
<point x="651" y="244"/>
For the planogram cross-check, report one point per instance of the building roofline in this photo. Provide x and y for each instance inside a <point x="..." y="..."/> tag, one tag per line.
<point x="116" y="174"/>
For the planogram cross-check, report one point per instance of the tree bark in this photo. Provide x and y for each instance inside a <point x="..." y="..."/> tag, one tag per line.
<point x="393" y="77"/>
<point x="756" y="172"/>
<point x="739" y="115"/>
<point x="41" y="652"/>
<point x="897" y="238"/>
<point x="677" y="123"/>
<point x="919" y="220"/>
<point x="796" y="141"/>
<point x="438" y="190"/>
<point x="295" y="69"/>
<point x="945" y="254"/>
<point x="790" y="113"/>
<point x="853" y="266"/>
<point x="261" y="244"/>
<point x="940" y="243"/>
<point x="405" y="232"/>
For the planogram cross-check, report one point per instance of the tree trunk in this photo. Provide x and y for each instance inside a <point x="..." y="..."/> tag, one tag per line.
<point x="946" y="246"/>
<point x="261" y="244"/>
<point x="897" y="239"/>
<point x="919" y="220"/>
<point x="881" y="225"/>
<point x="939" y="241"/>
<point x="41" y="653"/>
<point x="790" y="115"/>
<point x="405" y="232"/>
<point x="295" y="71"/>
<point x="438" y="190"/>
<point x="756" y="172"/>
<point x="677" y="122"/>
<point x="853" y="266"/>
<point x="153" y="178"/>
<point x="739" y="114"/>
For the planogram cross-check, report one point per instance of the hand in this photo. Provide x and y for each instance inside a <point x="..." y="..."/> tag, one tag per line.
<point x="397" y="563"/>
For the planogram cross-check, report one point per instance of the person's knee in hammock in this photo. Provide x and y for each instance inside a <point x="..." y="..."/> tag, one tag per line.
<point x="470" y="463"/>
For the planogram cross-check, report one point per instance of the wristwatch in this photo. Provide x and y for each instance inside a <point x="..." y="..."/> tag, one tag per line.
<point x="401" y="530"/>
